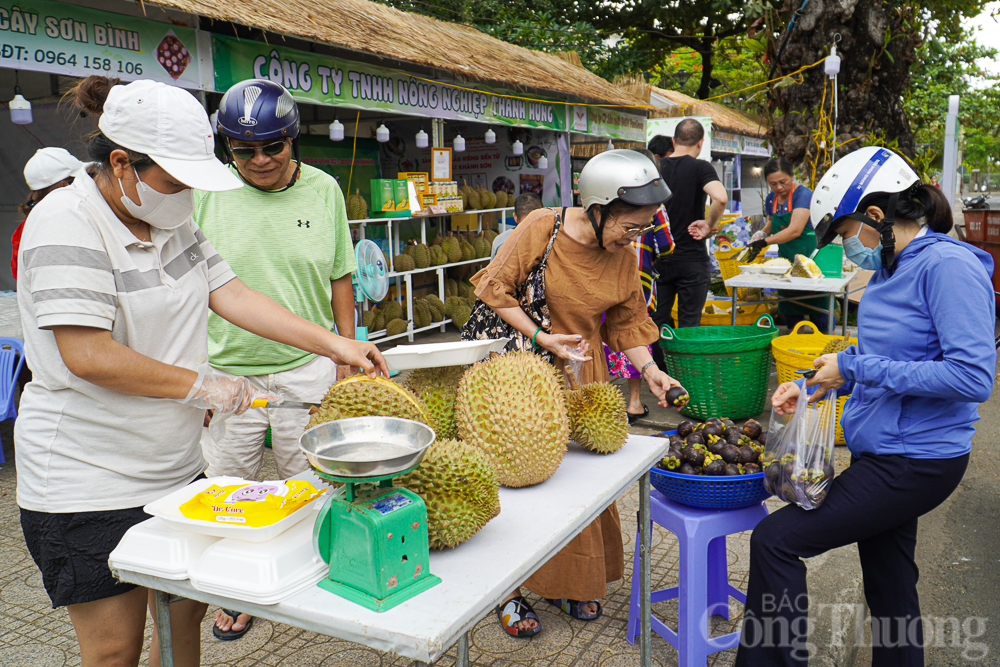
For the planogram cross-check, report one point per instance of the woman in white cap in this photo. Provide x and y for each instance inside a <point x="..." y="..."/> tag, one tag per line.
<point x="48" y="169"/>
<point x="115" y="286"/>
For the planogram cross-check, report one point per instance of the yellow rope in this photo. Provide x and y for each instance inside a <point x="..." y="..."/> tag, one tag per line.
<point x="581" y="104"/>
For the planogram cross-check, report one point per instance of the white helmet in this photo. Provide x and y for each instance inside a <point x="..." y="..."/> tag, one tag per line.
<point x="838" y="193"/>
<point x="620" y="174"/>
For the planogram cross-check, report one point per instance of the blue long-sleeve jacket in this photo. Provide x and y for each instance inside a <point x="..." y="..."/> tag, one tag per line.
<point x="927" y="355"/>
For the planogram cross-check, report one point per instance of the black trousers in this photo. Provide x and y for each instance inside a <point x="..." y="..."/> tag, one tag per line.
<point x="875" y="503"/>
<point x="687" y="282"/>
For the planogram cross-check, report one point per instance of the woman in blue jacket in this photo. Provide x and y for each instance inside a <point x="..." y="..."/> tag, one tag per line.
<point x="926" y="359"/>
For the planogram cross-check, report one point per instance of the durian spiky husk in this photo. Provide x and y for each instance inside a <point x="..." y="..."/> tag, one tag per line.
<point x="436" y="388"/>
<point x="458" y="482"/>
<point x="803" y="267"/>
<point x="512" y="407"/>
<point x="597" y="417"/>
<point x="362" y="396"/>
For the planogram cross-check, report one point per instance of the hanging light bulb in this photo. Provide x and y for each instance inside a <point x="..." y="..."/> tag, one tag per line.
<point x="611" y="145"/>
<point x="490" y="137"/>
<point x="459" y="143"/>
<point x="518" y="147"/>
<point x="20" y="108"/>
<point x="422" y="139"/>
<point x="382" y="133"/>
<point x="336" y="130"/>
<point x="831" y="65"/>
<point x="543" y="162"/>
<point x="213" y="120"/>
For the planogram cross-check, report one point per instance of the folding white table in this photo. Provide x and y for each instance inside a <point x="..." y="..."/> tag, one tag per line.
<point x="533" y="525"/>
<point x="832" y="287"/>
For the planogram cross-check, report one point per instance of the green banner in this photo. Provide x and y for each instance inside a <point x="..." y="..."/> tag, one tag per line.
<point x="605" y="122"/>
<point x="78" y="41"/>
<point x="331" y="81"/>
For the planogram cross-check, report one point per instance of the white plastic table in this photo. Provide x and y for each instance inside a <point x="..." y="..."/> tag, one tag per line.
<point x="833" y="287"/>
<point x="533" y="525"/>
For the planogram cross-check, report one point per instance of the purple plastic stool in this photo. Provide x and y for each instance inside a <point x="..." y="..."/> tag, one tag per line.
<point x="704" y="587"/>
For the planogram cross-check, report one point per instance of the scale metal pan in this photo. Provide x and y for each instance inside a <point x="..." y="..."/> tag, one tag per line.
<point x="366" y="446"/>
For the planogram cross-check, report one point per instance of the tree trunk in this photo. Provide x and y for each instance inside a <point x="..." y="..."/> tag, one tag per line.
<point x="877" y="47"/>
<point x="707" y="51"/>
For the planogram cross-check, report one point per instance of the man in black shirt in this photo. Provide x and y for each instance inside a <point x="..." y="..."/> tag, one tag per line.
<point x="685" y="274"/>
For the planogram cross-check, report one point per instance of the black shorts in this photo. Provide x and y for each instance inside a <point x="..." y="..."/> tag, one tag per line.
<point x="71" y="549"/>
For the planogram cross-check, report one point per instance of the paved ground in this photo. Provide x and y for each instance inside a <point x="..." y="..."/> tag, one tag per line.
<point x="956" y="551"/>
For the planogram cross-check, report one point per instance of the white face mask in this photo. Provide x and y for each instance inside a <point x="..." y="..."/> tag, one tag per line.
<point x="159" y="210"/>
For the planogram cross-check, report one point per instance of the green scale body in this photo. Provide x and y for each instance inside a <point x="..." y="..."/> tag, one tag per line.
<point x="375" y="542"/>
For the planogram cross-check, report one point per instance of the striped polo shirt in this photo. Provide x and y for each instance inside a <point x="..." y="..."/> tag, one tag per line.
<point x="81" y="447"/>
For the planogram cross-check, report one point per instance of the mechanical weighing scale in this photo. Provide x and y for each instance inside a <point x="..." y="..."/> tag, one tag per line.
<point x="373" y="535"/>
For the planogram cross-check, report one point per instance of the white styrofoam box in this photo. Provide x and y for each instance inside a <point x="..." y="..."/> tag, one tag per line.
<point x="261" y="572"/>
<point x="433" y="355"/>
<point x="153" y="547"/>
<point x="168" y="509"/>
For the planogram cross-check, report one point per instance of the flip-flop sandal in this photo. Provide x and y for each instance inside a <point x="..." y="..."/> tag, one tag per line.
<point x="514" y="610"/>
<point x="633" y="417"/>
<point x="230" y="635"/>
<point x="575" y="608"/>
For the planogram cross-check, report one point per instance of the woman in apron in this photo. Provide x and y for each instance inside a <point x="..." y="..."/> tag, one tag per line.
<point x="787" y="209"/>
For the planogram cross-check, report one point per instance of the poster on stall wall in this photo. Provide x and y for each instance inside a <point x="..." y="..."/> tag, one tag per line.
<point x="61" y="38"/>
<point x="490" y="166"/>
<point x="334" y="157"/>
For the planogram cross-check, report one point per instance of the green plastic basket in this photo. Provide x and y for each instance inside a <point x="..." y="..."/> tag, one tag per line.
<point x="725" y="369"/>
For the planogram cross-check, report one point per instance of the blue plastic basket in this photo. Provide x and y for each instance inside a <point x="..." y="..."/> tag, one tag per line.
<point x="721" y="493"/>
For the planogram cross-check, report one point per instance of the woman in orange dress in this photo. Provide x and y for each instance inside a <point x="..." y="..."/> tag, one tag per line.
<point x="587" y="276"/>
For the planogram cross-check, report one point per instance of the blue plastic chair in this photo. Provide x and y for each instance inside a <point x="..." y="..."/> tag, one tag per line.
<point x="703" y="588"/>
<point x="11" y="362"/>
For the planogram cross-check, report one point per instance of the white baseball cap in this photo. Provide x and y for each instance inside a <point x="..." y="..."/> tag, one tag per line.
<point x="169" y="125"/>
<point x="48" y="166"/>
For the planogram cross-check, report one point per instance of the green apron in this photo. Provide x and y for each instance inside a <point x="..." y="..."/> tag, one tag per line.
<point x="805" y="244"/>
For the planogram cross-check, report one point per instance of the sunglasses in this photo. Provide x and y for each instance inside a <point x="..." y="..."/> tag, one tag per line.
<point x="249" y="152"/>
<point x="636" y="233"/>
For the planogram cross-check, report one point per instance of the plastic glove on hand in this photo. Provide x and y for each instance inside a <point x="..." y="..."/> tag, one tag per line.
<point x="756" y="247"/>
<point x="224" y="394"/>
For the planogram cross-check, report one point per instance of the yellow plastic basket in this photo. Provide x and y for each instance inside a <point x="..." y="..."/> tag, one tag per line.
<point x="798" y="350"/>
<point x="729" y="267"/>
<point x="749" y="316"/>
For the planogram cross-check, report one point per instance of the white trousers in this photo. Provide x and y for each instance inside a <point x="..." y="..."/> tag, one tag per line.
<point x="240" y="452"/>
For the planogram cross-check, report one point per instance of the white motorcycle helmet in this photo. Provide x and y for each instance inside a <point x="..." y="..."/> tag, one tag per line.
<point x="849" y="181"/>
<point x="620" y="174"/>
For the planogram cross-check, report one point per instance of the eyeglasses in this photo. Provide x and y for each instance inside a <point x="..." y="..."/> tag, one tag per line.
<point x="636" y="233"/>
<point x="250" y="152"/>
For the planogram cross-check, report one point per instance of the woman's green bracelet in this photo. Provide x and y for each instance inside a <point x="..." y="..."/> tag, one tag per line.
<point x="533" y="337"/>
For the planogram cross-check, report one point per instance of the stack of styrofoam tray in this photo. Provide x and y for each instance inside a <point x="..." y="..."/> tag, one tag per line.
<point x="168" y="509"/>
<point x="263" y="572"/>
<point x="154" y="548"/>
<point x="434" y="355"/>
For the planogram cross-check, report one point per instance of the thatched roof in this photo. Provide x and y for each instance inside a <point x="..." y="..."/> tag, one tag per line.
<point x="723" y="118"/>
<point x="384" y="32"/>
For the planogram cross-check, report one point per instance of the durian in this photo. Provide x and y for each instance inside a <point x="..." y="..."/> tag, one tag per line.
<point x="392" y="309"/>
<point x="436" y="388"/>
<point x="450" y="288"/>
<point x="468" y="252"/>
<point x="369" y="318"/>
<point x="512" y="407"/>
<point x="501" y="199"/>
<point x="475" y="200"/>
<point x="357" y="207"/>
<point x="837" y="345"/>
<point x="488" y="199"/>
<point x="458" y="482"/>
<point x="437" y="312"/>
<point x="432" y="299"/>
<point x="438" y="256"/>
<point x="452" y="247"/>
<point x="421" y="314"/>
<point x="803" y="267"/>
<point x="421" y="256"/>
<point x="362" y="396"/>
<point x="461" y="314"/>
<point x="482" y="247"/>
<point x="395" y="327"/>
<point x="597" y="417"/>
<point x="403" y="262"/>
<point x="379" y="323"/>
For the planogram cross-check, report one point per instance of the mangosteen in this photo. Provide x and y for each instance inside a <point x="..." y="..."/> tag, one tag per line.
<point x="693" y="455"/>
<point x="751" y="468"/>
<point x="715" y="468"/>
<point x="695" y="439"/>
<point x="762" y="438"/>
<point x="752" y="428"/>
<point x="788" y="493"/>
<point x="732" y="469"/>
<point x="730" y="454"/>
<point x="676" y="440"/>
<point x="716" y="447"/>
<point x="748" y="454"/>
<point x="672" y="460"/>
<point x="687" y="469"/>
<point x="685" y="428"/>
<point x="728" y="423"/>
<point x="767" y="458"/>
<point x="829" y="471"/>
<point x="677" y="397"/>
<point x="788" y="470"/>
<point x="733" y="437"/>
<point x="773" y="474"/>
<point x="712" y="429"/>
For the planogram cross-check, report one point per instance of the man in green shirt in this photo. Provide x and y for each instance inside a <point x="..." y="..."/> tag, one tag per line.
<point x="286" y="236"/>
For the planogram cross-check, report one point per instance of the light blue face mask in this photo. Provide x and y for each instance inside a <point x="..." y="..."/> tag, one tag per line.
<point x="867" y="258"/>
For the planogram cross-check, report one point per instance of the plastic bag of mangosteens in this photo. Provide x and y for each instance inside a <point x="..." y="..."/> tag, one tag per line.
<point x="798" y="457"/>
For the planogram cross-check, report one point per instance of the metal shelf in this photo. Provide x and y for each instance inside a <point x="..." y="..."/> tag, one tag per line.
<point x="371" y="221"/>
<point x="394" y="274"/>
<point x="380" y="337"/>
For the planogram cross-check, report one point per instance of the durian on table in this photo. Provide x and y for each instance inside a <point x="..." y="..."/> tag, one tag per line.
<point x="597" y="417"/>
